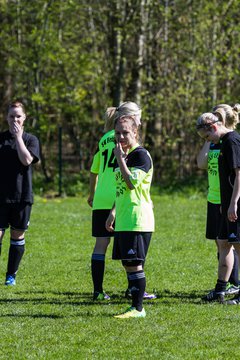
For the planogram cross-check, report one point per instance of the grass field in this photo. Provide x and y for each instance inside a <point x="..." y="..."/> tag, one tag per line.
<point x="50" y="313"/>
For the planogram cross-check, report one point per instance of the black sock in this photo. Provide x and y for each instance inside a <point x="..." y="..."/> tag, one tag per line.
<point x="137" y="282"/>
<point x="220" y="286"/>
<point x="143" y="263"/>
<point x="16" y="251"/>
<point x="98" y="266"/>
<point x="233" y="279"/>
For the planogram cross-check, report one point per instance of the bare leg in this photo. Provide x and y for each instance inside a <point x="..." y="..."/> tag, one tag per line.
<point x="226" y="260"/>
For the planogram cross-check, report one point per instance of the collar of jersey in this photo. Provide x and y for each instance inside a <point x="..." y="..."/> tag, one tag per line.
<point x="133" y="148"/>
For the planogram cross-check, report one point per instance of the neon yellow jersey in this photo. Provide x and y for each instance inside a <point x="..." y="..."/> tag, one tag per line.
<point x="213" y="174"/>
<point x="103" y="164"/>
<point x="134" y="209"/>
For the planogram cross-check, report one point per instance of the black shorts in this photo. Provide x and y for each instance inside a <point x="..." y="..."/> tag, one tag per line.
<point x="131" y="245"/>
<point x="213" y="221"/>
<point x="17" y="215"/>
<point x="229" y="229"/>
<point x="99" y="218"/>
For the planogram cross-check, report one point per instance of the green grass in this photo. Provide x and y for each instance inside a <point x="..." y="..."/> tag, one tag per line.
<point x="50" y="313"/>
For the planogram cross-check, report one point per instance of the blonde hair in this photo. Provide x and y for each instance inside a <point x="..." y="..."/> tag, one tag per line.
<point x="206" y="120"/>
<point x="227" y="114"/>
<point x="222" y="113"/>
<point x="16" y="104"/>
<point x="127" y="108"/>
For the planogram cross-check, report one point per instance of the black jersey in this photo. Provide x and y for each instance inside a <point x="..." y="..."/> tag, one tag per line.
<point x="16" y="178"/>
<point x="229" y="160"/>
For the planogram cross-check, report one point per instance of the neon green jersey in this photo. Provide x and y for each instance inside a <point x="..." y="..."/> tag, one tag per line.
<point x="134" y="209"/>
<point x="213" y="174"/>
<point x="103" y="164"/>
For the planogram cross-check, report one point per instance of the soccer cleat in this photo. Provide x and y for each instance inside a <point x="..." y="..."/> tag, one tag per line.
<point x="231" y="289"/>
<point x="214" y="295"/>
<point x="131" y="312"/>
<point x="100" y="296"/>
<point x="234" y="301"/>
<point x="146" y="295"/>
<point x="10" y="280"/>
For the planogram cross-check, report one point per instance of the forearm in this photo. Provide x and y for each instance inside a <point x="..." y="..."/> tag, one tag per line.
<point x="202" y="158"/>
<point x="233" y="206"/>
<point x="125" y="172"/>
<point x="113" y="211"/>
<point x="24" y="155"/>
<point x="92" y="188"/>
<point x="236" y="190"/>
<point x="110" y="220"/>
<point x="92" y="183"/>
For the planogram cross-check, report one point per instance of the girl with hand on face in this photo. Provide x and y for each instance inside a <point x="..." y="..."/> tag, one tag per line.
<point x="208" y="159"/>
<point x="103" y="192"/>
<point x="211" y="127"/>
<point x="133" y="210"/>
<point x="18" y="151"/>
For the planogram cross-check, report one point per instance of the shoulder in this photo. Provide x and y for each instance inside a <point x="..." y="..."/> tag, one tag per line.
<point x="231" y="138"/>
<point x="107" y="139"/>
<point x="141" y="153"/>
<point x="28" y="137"/>
<point x="4" y="134"/>
<point x="140" y="158"/>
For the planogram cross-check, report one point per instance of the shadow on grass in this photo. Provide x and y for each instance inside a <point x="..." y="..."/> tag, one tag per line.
<point x="169" y="297"/>
<point x="83" y="303"/>
<point x="59" y="298"/>
<point x="85" y="298"/>
<point x="33" y="316"/>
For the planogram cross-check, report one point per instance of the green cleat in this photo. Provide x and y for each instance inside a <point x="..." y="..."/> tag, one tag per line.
<point x="131" y="312"/>
<point x="100" y="296"/>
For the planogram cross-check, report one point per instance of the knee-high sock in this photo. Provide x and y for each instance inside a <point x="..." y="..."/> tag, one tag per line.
<point x="137" y="282"/>
<point x="98" y="267"/>
<point x="16" y="251"/>
<point x="143" y="263"/>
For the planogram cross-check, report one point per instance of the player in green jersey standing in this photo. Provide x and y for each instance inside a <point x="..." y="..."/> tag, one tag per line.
<point x="133" y="210"/>
<point x="217" y="127"/>
<point x="208" y="159"/>
<point x="103" y="190"/>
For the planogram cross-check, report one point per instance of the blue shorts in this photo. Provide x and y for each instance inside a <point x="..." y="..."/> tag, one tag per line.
<point x="15" y="215"/>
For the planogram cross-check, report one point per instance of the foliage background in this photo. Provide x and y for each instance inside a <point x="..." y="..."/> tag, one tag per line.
<point x="68" y="60"/>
